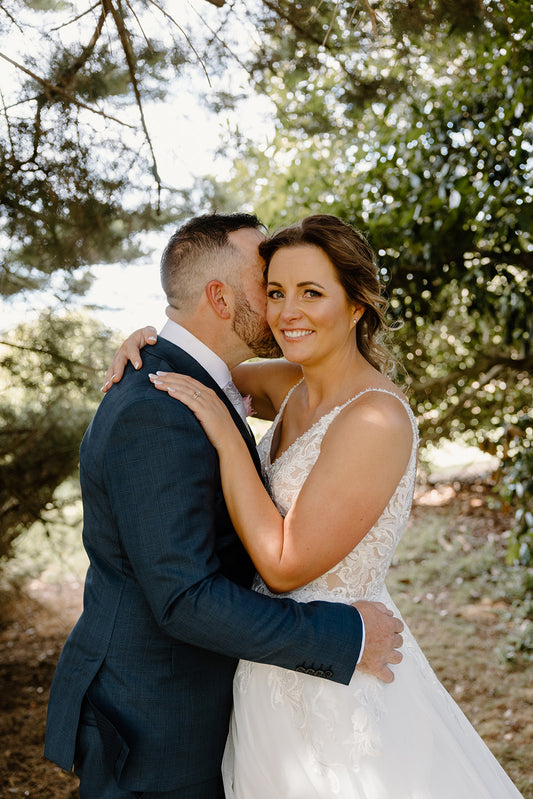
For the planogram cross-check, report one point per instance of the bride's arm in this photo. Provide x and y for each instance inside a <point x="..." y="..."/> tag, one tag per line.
<point x="267" y="382"/>
<point x="362" y="459"/>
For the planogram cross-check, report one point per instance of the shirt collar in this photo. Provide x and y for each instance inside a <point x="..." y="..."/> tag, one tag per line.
<point x="210" y="361"/>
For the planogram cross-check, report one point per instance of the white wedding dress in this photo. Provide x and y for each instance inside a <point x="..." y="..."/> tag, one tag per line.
<point x="295" y="736"/>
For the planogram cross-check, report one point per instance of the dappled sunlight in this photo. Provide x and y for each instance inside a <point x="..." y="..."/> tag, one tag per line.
<point x="436" y="496"/>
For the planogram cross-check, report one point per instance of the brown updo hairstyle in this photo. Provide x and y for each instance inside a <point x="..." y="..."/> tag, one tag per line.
<point x="354" y="262"/>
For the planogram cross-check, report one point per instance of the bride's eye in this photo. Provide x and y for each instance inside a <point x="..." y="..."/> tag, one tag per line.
<point x="312" y="293"/>
<point x="274" y="294"/>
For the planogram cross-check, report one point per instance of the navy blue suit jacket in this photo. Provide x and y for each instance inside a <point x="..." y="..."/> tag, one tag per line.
<point x="167" y="606"/>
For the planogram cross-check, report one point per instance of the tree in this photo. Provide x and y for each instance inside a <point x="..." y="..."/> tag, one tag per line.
<point x="79" y="183"/>
<point x="73" y="167"/>
<point x="411" y="120"/>
<point x="421" y="136"/>
<point x="79" y="176"/>
<point x="53" y="370"/>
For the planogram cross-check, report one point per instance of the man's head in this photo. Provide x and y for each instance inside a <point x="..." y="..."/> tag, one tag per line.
<point x="211" y="271"/>
<point x="199" y="251"/>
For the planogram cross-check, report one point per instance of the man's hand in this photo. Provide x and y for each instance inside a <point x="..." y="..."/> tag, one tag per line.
<point x="382" y="639"/>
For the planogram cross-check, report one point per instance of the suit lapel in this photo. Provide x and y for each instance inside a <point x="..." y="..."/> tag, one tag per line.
<point x="180" y="361"/>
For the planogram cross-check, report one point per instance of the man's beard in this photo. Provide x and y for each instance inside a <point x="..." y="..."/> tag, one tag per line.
<point x="252" y="328"/>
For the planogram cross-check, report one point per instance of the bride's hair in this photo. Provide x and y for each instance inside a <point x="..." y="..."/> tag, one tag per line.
<point x="354" y="262"/>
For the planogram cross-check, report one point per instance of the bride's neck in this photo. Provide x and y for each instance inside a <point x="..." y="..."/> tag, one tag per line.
<point x="332" y="385"/>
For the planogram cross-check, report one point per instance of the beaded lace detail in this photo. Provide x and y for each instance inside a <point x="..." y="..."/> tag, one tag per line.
<point x="360" y="575"/>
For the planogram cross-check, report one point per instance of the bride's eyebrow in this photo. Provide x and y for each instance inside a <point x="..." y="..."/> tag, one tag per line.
<point x="310" y="283"/>
<point x="302" y="284"/>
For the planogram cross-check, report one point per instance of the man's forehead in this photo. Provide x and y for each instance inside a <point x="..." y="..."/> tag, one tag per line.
<point x="247" y="237"/>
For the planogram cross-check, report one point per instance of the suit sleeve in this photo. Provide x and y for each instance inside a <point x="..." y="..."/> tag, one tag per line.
<point x="162" y="476"/>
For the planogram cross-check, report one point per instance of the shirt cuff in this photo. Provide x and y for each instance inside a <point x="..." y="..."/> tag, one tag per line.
<point x="363" y="634"/>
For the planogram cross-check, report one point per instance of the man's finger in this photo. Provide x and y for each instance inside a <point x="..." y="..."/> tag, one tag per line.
<point x="386" y="675"/>
<point x="395" y="657"/>
<point x="383" y="608"/>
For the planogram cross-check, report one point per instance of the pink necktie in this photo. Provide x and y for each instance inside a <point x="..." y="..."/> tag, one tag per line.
<point x="232" y="393"/>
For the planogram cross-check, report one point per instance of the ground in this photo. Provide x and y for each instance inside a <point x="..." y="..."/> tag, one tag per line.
<point x="449" y="579"/>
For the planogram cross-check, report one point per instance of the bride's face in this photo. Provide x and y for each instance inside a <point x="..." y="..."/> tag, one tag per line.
<point x="307" y="308"/>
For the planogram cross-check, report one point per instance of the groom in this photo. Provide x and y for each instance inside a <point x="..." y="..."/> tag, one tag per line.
<point x="142" y="694"/>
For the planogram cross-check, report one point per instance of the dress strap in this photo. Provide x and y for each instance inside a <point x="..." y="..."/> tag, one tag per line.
<point x="287" y="397"/>
<point x="405" y="404"/>
<point x="279" y="416"/>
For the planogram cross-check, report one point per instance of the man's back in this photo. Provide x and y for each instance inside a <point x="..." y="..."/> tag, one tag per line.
<point x="151" y="491"/>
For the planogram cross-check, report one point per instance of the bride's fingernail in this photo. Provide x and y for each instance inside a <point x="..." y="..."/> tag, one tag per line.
<point x="137" y="365"/>
<point x="161" y="373"/>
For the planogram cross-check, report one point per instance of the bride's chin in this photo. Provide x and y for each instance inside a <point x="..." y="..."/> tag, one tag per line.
<point x="291" y="360"/>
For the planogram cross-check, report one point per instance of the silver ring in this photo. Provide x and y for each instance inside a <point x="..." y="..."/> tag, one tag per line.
<point x="196" y="395"/>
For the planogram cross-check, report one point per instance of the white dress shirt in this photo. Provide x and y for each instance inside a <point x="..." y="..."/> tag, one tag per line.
<point x="212" y="363"/>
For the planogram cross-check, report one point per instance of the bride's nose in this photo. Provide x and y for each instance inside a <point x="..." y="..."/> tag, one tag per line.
<point x="290" y="309"/>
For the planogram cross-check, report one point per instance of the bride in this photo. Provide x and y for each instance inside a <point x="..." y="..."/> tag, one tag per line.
<point x="339" y="462"/>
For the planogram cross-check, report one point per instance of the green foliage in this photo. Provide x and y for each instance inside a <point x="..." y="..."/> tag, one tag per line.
<point x="517" y="489"/>
<point x="78" y="186"/>
<point x="411" y="120"/>
<point x="49" y="389"/>
<point x="74" y="161"/>
<point x="421" y="136"/>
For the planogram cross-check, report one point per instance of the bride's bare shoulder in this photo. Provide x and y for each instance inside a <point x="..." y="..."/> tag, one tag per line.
<point x="382" y="409"/>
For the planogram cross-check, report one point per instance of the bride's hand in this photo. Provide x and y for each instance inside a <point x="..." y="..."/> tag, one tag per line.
<point x="203" y="402"/>
<point x="129" y="350"/>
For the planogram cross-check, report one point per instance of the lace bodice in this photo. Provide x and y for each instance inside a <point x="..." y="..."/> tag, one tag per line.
<point x="361" y="575"/>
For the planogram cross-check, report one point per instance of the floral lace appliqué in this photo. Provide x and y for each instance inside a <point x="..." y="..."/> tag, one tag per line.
<point x="360" y="575"/>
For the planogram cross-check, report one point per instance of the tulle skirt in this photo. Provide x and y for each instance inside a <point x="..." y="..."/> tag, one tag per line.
<point x="294" y="736"/>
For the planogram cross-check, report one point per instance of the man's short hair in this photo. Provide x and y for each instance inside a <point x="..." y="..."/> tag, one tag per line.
<point x="200" y="251"/>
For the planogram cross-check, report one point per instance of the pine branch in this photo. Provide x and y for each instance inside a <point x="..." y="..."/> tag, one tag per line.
<point x="77" y="18"/>
<point x="181" y="30"/>
<point x="11" y="17"/>
<point x="55" y="355"/>
<point x="372" y="15"/>
<point x="130" y="60"/>
<point x="53" y="89"/>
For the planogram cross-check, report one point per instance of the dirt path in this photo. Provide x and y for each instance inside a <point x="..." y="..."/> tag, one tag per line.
<point x="39" y="620"/>
<point x="460" y="638"/>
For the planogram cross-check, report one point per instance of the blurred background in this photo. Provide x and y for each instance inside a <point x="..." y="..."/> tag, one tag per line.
<point x="411" y="121"/>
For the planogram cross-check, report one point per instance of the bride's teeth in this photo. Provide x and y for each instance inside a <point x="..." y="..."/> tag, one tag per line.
<point x="296" y="333"/>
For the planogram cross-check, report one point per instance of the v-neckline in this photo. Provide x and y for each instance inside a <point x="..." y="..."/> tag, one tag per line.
<point x="279" y="418"/>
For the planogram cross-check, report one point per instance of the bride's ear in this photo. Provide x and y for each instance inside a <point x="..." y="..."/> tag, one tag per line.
<point x="358" y="311"/>
<point x="218" y="296"/>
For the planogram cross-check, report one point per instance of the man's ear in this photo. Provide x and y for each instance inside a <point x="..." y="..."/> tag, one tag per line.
<point x="218" y="296"/>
